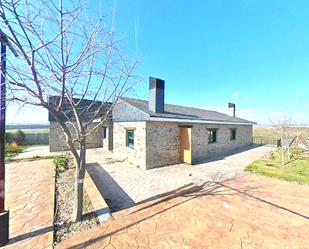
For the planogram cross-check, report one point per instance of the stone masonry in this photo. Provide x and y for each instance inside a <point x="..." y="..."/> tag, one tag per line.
<point x="136" y="155"/>
<point x="202" y="150"/>
<point x="162" y="144"/>
<point x="57" y="138"/>
<point x="158" y="143"/>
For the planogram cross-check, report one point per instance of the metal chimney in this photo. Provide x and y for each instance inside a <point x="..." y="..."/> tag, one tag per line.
<point x="156" y="95"/>
<point x="232" y="105"/>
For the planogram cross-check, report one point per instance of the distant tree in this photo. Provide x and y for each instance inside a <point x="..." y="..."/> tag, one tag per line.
<point x="19" y="137"/>
<point x="283" y="127"/>
<point x="66" y="51"/>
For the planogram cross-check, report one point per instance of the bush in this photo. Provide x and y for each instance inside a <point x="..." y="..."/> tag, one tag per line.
<point x="19" y="137"/>
<point x="9" y="137"/>
<point x="61" y="163"/>
<point x="13" y="148"/>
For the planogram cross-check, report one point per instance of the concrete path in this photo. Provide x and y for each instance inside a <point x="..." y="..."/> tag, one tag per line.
<point x="249" y="211"/>
<point x="123" y="185"/>
<point x="30" y="200"/>
<point x="37" y="151"/>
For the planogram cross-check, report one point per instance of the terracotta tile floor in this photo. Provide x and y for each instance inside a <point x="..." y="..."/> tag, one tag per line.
<point x="249" y="211"/>
<point x="30" y="199"/>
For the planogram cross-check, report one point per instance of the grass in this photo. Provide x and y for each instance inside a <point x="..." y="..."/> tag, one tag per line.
<point x="295" y="170"/>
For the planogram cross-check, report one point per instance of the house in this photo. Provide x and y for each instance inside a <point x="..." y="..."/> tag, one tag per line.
<point x="153" y="134"/>
<point x="85" y="109"/>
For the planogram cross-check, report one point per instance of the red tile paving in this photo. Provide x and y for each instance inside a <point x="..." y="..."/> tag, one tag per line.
<point x="247" y="212"/>
<point x="30" y="199"/>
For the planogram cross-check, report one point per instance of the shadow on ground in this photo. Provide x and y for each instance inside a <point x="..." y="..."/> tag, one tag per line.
<point x="151" y="207"/>
<point x="115" y="197"/>
<point x="223" y="156"/>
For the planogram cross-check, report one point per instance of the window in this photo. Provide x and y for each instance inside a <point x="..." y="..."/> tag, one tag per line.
<point x="104" y="132"/>
<point x="233" y="134"/>
<point x="130" y="138"/>
<point x="212" y="136"/>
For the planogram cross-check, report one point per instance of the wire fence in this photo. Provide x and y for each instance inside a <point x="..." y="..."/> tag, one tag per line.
<point x="266" y="140"/>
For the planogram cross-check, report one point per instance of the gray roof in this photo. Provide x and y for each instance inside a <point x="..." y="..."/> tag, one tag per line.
<point x="183" y="112"/>
<point x="86" y="109"/>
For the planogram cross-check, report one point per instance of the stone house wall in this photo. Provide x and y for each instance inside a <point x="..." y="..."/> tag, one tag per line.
<point x="57" y="138"/>
<point x="202" y="150"/>
<point x="162" y="144"/>
<point x="136" y="155"/>
<point x="157" y="144"/>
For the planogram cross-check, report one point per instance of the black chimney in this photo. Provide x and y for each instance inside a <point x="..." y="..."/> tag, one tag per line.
<point x="232" y="105"/>
<point x="156" y="95"/>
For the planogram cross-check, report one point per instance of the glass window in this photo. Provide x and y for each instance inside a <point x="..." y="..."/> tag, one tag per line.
<point x="130" y="138"/>
<point x="104" y="132"/>
<point x="212" y="136"/>
<point x="233" y="134"/>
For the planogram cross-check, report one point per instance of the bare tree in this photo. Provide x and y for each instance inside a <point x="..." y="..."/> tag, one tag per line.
<point x="65" y="52"/>
<point x="283" y="127"/>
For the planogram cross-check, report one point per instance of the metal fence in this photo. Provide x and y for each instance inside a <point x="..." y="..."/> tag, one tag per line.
<point x="266" y="140"/>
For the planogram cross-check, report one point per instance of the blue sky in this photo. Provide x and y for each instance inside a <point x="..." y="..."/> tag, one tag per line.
<point x="252" y="52"/>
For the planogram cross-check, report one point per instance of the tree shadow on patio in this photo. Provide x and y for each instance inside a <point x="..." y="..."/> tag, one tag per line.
<point x="115" y="197"/>
<point x="151" y="207"/>
<point x="34" y="233"/>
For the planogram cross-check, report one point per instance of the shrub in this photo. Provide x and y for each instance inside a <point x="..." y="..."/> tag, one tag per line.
<point x="61" y="163"/>
<point x="9" y="137"/>
<point x="13" y="148"/>
<point x="19" y="137"/>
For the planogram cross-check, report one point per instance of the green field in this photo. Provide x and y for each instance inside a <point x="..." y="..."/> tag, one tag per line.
<point x="295" y="170"/>
<point x="273" y="132"/>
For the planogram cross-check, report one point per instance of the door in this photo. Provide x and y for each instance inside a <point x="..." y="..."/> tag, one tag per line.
<point x="186" y="144"/>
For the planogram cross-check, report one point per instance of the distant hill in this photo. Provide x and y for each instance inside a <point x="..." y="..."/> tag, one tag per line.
<point x="26" y="126"/>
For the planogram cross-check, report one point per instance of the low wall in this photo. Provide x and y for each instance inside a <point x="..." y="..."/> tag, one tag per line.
<point x="40" y="138"/>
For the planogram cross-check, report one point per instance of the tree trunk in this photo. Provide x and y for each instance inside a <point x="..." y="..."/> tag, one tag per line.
<point x="79" y="183"/>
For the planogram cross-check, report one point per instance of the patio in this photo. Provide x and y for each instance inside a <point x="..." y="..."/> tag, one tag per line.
<point x="249" y="211"/>
<point x="123" y="185"/>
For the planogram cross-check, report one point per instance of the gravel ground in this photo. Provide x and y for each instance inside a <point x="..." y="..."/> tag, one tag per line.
<point x="63" y="226"/>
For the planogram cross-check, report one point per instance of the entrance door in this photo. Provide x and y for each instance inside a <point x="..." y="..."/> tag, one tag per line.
<point x="186" y="144"/>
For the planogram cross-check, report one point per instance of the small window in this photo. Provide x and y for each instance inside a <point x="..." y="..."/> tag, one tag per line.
<point x="104" y="132"/>
<point x="233" y="134"/>
<point x="212" y="136"/>
<point x="130" y="138"/>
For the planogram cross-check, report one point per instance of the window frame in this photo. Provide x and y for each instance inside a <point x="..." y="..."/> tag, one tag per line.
<point x="232" y="138"/>
<point x="128" y="143"/>
<point x="210" y="132"/>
